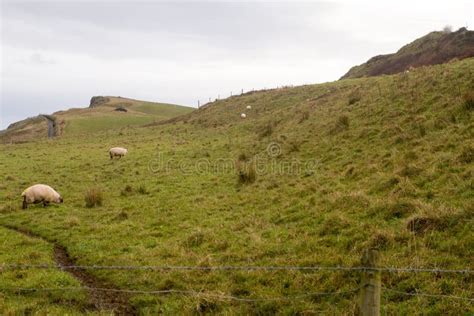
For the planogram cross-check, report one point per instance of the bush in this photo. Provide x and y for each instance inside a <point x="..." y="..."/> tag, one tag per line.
<point x="93" y="197"/>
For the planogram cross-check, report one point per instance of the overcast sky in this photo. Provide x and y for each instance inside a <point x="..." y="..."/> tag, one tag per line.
<point x="57" y="54"/>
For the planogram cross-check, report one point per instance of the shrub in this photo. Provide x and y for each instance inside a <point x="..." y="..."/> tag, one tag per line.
<point x="93" y="197"/>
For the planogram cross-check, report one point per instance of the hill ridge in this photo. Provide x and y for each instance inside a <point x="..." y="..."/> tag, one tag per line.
<point x="434" y="48"/>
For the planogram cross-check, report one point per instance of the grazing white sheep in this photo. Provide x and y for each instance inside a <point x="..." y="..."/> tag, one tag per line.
<point x="249" y="107"/>
<point x="40" y="193"/>
<point x="117" y="151"/>
<point x="243" y="115"/>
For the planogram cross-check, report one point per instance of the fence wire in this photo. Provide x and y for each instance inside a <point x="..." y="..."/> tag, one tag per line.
<point x="230" y="268"/>
<point x="183" y="292"/>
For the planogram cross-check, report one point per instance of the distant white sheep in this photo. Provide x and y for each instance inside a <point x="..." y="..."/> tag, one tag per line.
<point x="249" y="107"/>
<point x="117" y="151"/>
<point x="40" y="193"/>
<point x="243" y="115"/>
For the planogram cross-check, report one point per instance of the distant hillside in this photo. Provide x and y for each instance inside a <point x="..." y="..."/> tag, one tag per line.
<point x="431" y="49"/>
<point x="103" y="113"/>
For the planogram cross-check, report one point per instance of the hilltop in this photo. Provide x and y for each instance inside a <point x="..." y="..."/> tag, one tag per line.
<point x="313" y="176"/>
<point x="103" y="113"/>
<point x="431" y="49"/>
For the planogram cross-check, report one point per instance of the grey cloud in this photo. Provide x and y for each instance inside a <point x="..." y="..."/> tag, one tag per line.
<point x="164" y="30"/>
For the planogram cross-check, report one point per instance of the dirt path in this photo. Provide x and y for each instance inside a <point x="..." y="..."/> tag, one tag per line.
<point x="51" y="125"/>
<point x="101" y="300"/>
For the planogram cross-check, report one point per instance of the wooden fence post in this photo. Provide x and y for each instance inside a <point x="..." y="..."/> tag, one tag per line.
<point x="369" y="300"/>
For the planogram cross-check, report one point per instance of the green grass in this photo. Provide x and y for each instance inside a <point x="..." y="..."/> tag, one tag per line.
<point x="401" y="152"/>
<point x="92" y="120"/>
<point x="102" y="123"/>
<point x="18" y="249"/>
<point x="162" y="109"/>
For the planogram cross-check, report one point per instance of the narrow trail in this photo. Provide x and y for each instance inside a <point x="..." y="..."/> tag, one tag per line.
<point x="51" y="125"/>
<point x="100" y="300"/>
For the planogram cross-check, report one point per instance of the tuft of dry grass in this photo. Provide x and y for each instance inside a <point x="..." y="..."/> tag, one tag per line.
<point x="341" y="124"/>
<point x="127" y="190"/>
<point x="246" y="172"/>
<point x="467" y="154"/>
<point x="93" y="197"/>
<point x="72" y="221"/>
<point x="266" y="130"/>
<point x="354" y="97"/>
<point x="142" y="189"/>
<point x="468" y="101"/>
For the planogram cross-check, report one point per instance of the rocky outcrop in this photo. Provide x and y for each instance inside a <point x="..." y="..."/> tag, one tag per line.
<point x="431" y="49"/>
<point x="98" y="100"/>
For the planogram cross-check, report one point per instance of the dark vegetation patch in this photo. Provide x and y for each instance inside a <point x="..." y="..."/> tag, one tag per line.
<point x="246" y="172"/>
<point x="93" y="197"/>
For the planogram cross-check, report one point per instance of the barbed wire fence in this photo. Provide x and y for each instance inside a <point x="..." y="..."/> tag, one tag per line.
<point x="369" y="288"/>
<point x="230" y="268"/>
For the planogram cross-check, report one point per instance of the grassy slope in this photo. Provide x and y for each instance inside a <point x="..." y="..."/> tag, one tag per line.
<point x="100" y="118"/>
<point x="403" y="151"/>
<point x="104" y="117"/>
<point x="431" y="49"/>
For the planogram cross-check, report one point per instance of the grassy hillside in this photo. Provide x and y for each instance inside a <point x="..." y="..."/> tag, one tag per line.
<point x="313" y="176"/>
<point x="93" y="119"/>
<point x="431" y="49"/>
